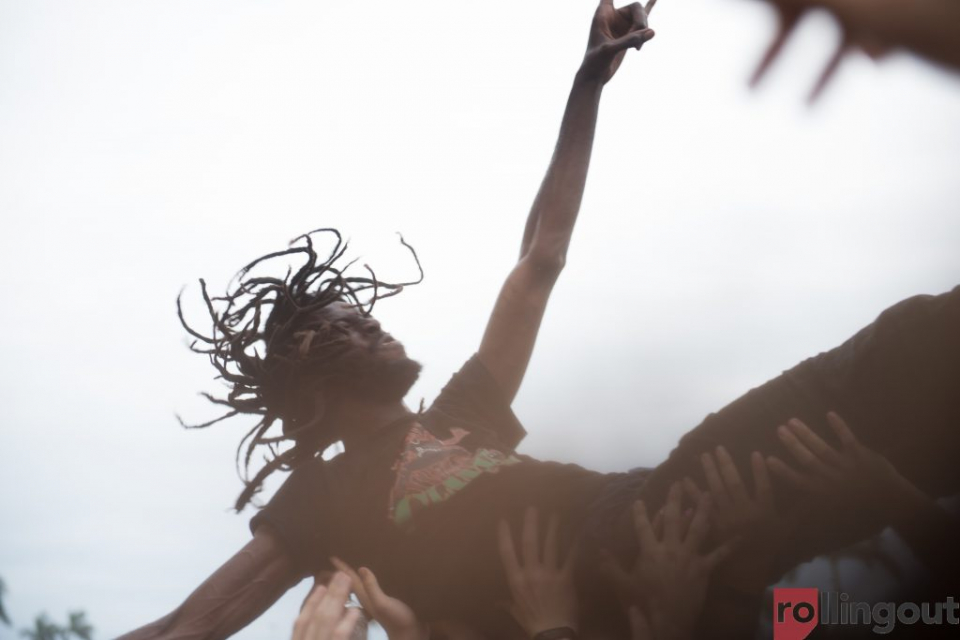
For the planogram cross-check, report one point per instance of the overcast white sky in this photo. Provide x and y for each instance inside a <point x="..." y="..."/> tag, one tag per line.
<point x="725" y="235"/>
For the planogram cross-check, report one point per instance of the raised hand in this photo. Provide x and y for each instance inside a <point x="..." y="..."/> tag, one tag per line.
<point x="323" y="616"/>
<point x="736" y="512"/>
<point x="396" y="618"/>
<point x="930" y="28"/>
<point x="668" y="583"/>
<point x="855" y="475"/>
<point x="752" y="521"/>
<point x="612" y="32"/>
<point x="541" y="585"/>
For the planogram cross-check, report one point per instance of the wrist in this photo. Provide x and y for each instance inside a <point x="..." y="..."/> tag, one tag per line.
<point x="587" y="80"/>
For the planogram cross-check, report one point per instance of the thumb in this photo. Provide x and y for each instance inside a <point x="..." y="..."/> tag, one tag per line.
<point x="356" y="583"/>
<point x="633" y="39"/>
<point x="374" y="593"/>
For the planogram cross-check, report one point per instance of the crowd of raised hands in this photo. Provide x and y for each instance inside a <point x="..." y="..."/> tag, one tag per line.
<point x="706" y="546"/>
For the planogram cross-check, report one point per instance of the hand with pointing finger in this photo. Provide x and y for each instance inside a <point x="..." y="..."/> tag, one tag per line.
<point x="612" y="32"/>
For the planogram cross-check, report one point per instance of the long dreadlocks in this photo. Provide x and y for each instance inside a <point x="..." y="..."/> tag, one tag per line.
<point x="280" y="314"/>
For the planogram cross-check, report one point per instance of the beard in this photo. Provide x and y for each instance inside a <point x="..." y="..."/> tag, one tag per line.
<point x="384" y="382"/>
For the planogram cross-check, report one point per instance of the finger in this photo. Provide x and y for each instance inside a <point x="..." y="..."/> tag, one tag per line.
<point x="658" y="525"/>
<point x="637" y="17"/>
<point x="788" y="22"/>
<point x="817" y="445"/>
<point x="328" y="612"/>
<point x="649" y="7"/>
<point x="633" y="39"/>
<point x="839" y="426"/>
<point x="762" y="489"/>
<point x="788" y="474"/>
<point x="355" y="581"/>
<point x="641" y="524"/>
<point x="801" y="454"/>
<point x="323" y="577"/>
<point x="731" y="476"/>
<point x="316" y="593"/>
<point x="302" y="622"/>
<point x="550" y="553"/>
<point x="639" y="627"/>
<point x="339" y="588"/>
<point x="344" y="628"/>
<point x="508" y="555"/>
<point x="720" y="498"/>
<point x="721" y="553"/>
<point x="529" y="539"/>
<point x="372" y="586"/>
<point x="700" y="525"/>
<point x="692" y="490"/>
<point x="829" y="71"/>
<point x="671" y="514"/>
<point x="375" y="595"/>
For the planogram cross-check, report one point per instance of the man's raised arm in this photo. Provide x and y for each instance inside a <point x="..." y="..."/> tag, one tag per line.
<point x="235" y="595"/>
<point x="512" y="330"/>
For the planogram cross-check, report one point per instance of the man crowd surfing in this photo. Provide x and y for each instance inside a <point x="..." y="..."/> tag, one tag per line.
<point x="442" y="530"/>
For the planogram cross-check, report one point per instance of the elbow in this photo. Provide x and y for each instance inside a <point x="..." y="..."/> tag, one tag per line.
<point x="545" y="266"/>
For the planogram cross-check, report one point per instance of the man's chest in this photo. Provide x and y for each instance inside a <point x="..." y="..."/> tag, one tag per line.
<point x="431" y="469"/>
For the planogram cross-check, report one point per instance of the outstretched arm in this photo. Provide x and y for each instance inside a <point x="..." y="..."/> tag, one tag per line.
<point x="512" y="330"/>
<point x="230" y="599"/>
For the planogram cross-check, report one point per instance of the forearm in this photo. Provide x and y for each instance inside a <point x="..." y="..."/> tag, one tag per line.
<point x="554" y="212"/>
<point x="210" y="614"/>
<point x="235" y="595"/>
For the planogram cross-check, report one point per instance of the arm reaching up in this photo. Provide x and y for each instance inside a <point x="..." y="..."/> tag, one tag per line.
<point x="512" y="330"/>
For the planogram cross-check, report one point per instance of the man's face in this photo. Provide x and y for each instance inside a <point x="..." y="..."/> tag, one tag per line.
<point x="362" y="335"/>
<point x="375" y="364"/>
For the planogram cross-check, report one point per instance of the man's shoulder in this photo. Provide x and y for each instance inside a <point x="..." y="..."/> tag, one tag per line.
<point x="473" y="402"/>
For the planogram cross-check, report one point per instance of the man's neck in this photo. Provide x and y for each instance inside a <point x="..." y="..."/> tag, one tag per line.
<point x="358" y="420"/>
